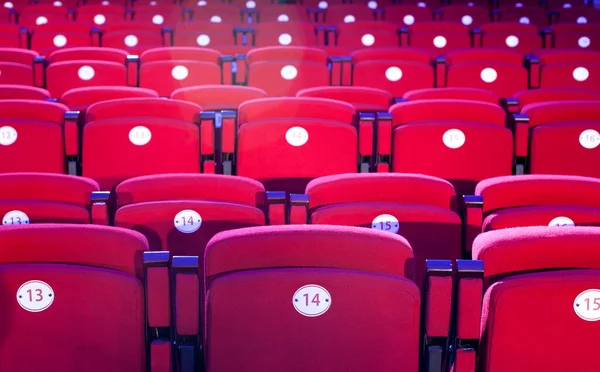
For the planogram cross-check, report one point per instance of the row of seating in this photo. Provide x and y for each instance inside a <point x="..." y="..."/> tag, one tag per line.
<point x="284" y="71"/>
<point x="295" y="304"/>
<point x="437" y="37"/>
<point x="286" y="142"/>
<point x="169" y="15"/>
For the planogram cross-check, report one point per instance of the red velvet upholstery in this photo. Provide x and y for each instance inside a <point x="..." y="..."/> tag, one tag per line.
<point x="82" y="264"/>
<point x="109" y="155"/>
<point x="385" y="322"/>
<point x="45" y="198"/>
<point x="562" y="125"/>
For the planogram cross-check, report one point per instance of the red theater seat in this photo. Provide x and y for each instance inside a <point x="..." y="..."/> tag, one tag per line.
<point x="8" y="91"/>
<point x="79" y="99"/>
<point x="564" y="137"/>
<point x="521" y="38"/>
<point x="286" y="142"/>
<point x="100" y="15"/>
<point x="395" y="70"/>
<point x="366" y="34"/>
<point x="16" y="66"/>
<point x="569" y="69"/>
<point x="345" y="262"/>
<point x="218" y="97"/>
<point x="285" y="13"/>
<point x="561" y="266"/>
<point x="577" y="14"/>
<point x="574" y="36"/>
<point x="362" y="98"/>
<point x="219" y="13"/>
<point x="532" y="200"/>
<point x="527" y="15"/>
<point x="500" y="71"/>
<point x="165" y="70"/>
<point x="526" y="97"/>
<point x="32" y="136"/>
<point x="41" y="14"/>
<point x="283" y="71"/>
<point x="473" y="94"/>
<point x="53" y="36"/>
<point x="162" y="15"/>
<point x="457" y="140"/>
<point x="348" y="13"/>
<point x="133" y="36"/>
<point x="79" y="264"/>
<point x="11" y="37"/>
<point x="438" y="37"/>
<point x="63" y="76"/>
<point x="421" y="209"/>
<point x="204" y="34"/>
<point x="181" y="213"/>
<point x="470" y="16"/>
<point x="407" y="15"/>
<point x="284" y="33"/>
<point x="140" y="136"/>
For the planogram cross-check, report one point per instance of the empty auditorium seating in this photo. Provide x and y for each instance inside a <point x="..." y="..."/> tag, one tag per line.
<point x="574" y="36"/>
<point x="567" y="69"/>
<point x="27" y="198"/>
<point x="166" y="69"/>
<point x="164" y="15"/>
<point x="348" y="13"/>
<point x="219" y="13"/>
<point x="181" y="213"/>
<point x="468" y="15"/>
<point x="526" y="97"/>
<point x="79" y="99"/>
<point x="32" y="135"/>
<point x="53" y="275"/>
<point x="218" y="97"/>
<point x="309" y="287"/>
<point x="366" y="34"/>
<point x="532" y="200"/>
<point x="100" y="14"/>
<point x="563" y="137"/>
<point x="49" y="37"/>
<point x="286" y="142"/>
<point x="500" y="71"/>
<point x="438" y="37"/>
<point x="284" y="33"/>
<point x="457" y="140"/>
<point x="17" y="66"/>
<point x="8" y="91"/>
<point x="420" y="208"/>
<point x="205" y="34"/>
<point x="407" y="15"/>
<point x="85" y="67"/>
<point x="529" y="268"/>
<point x="576" y="14"/>
<point x="362" y="98"/>
<point x="473" y="94"/>
<point x="521" y="38"/>
<point x="284" y="13"/>
<point x="283" y="71"/>
<point x="133" y="36"/>
<point x="395" y="70"/>
<point x="528" y="15"/>
<point x="11" y="36"/>
<point x="133" y="137"/>
<point x="41" y="14"/>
